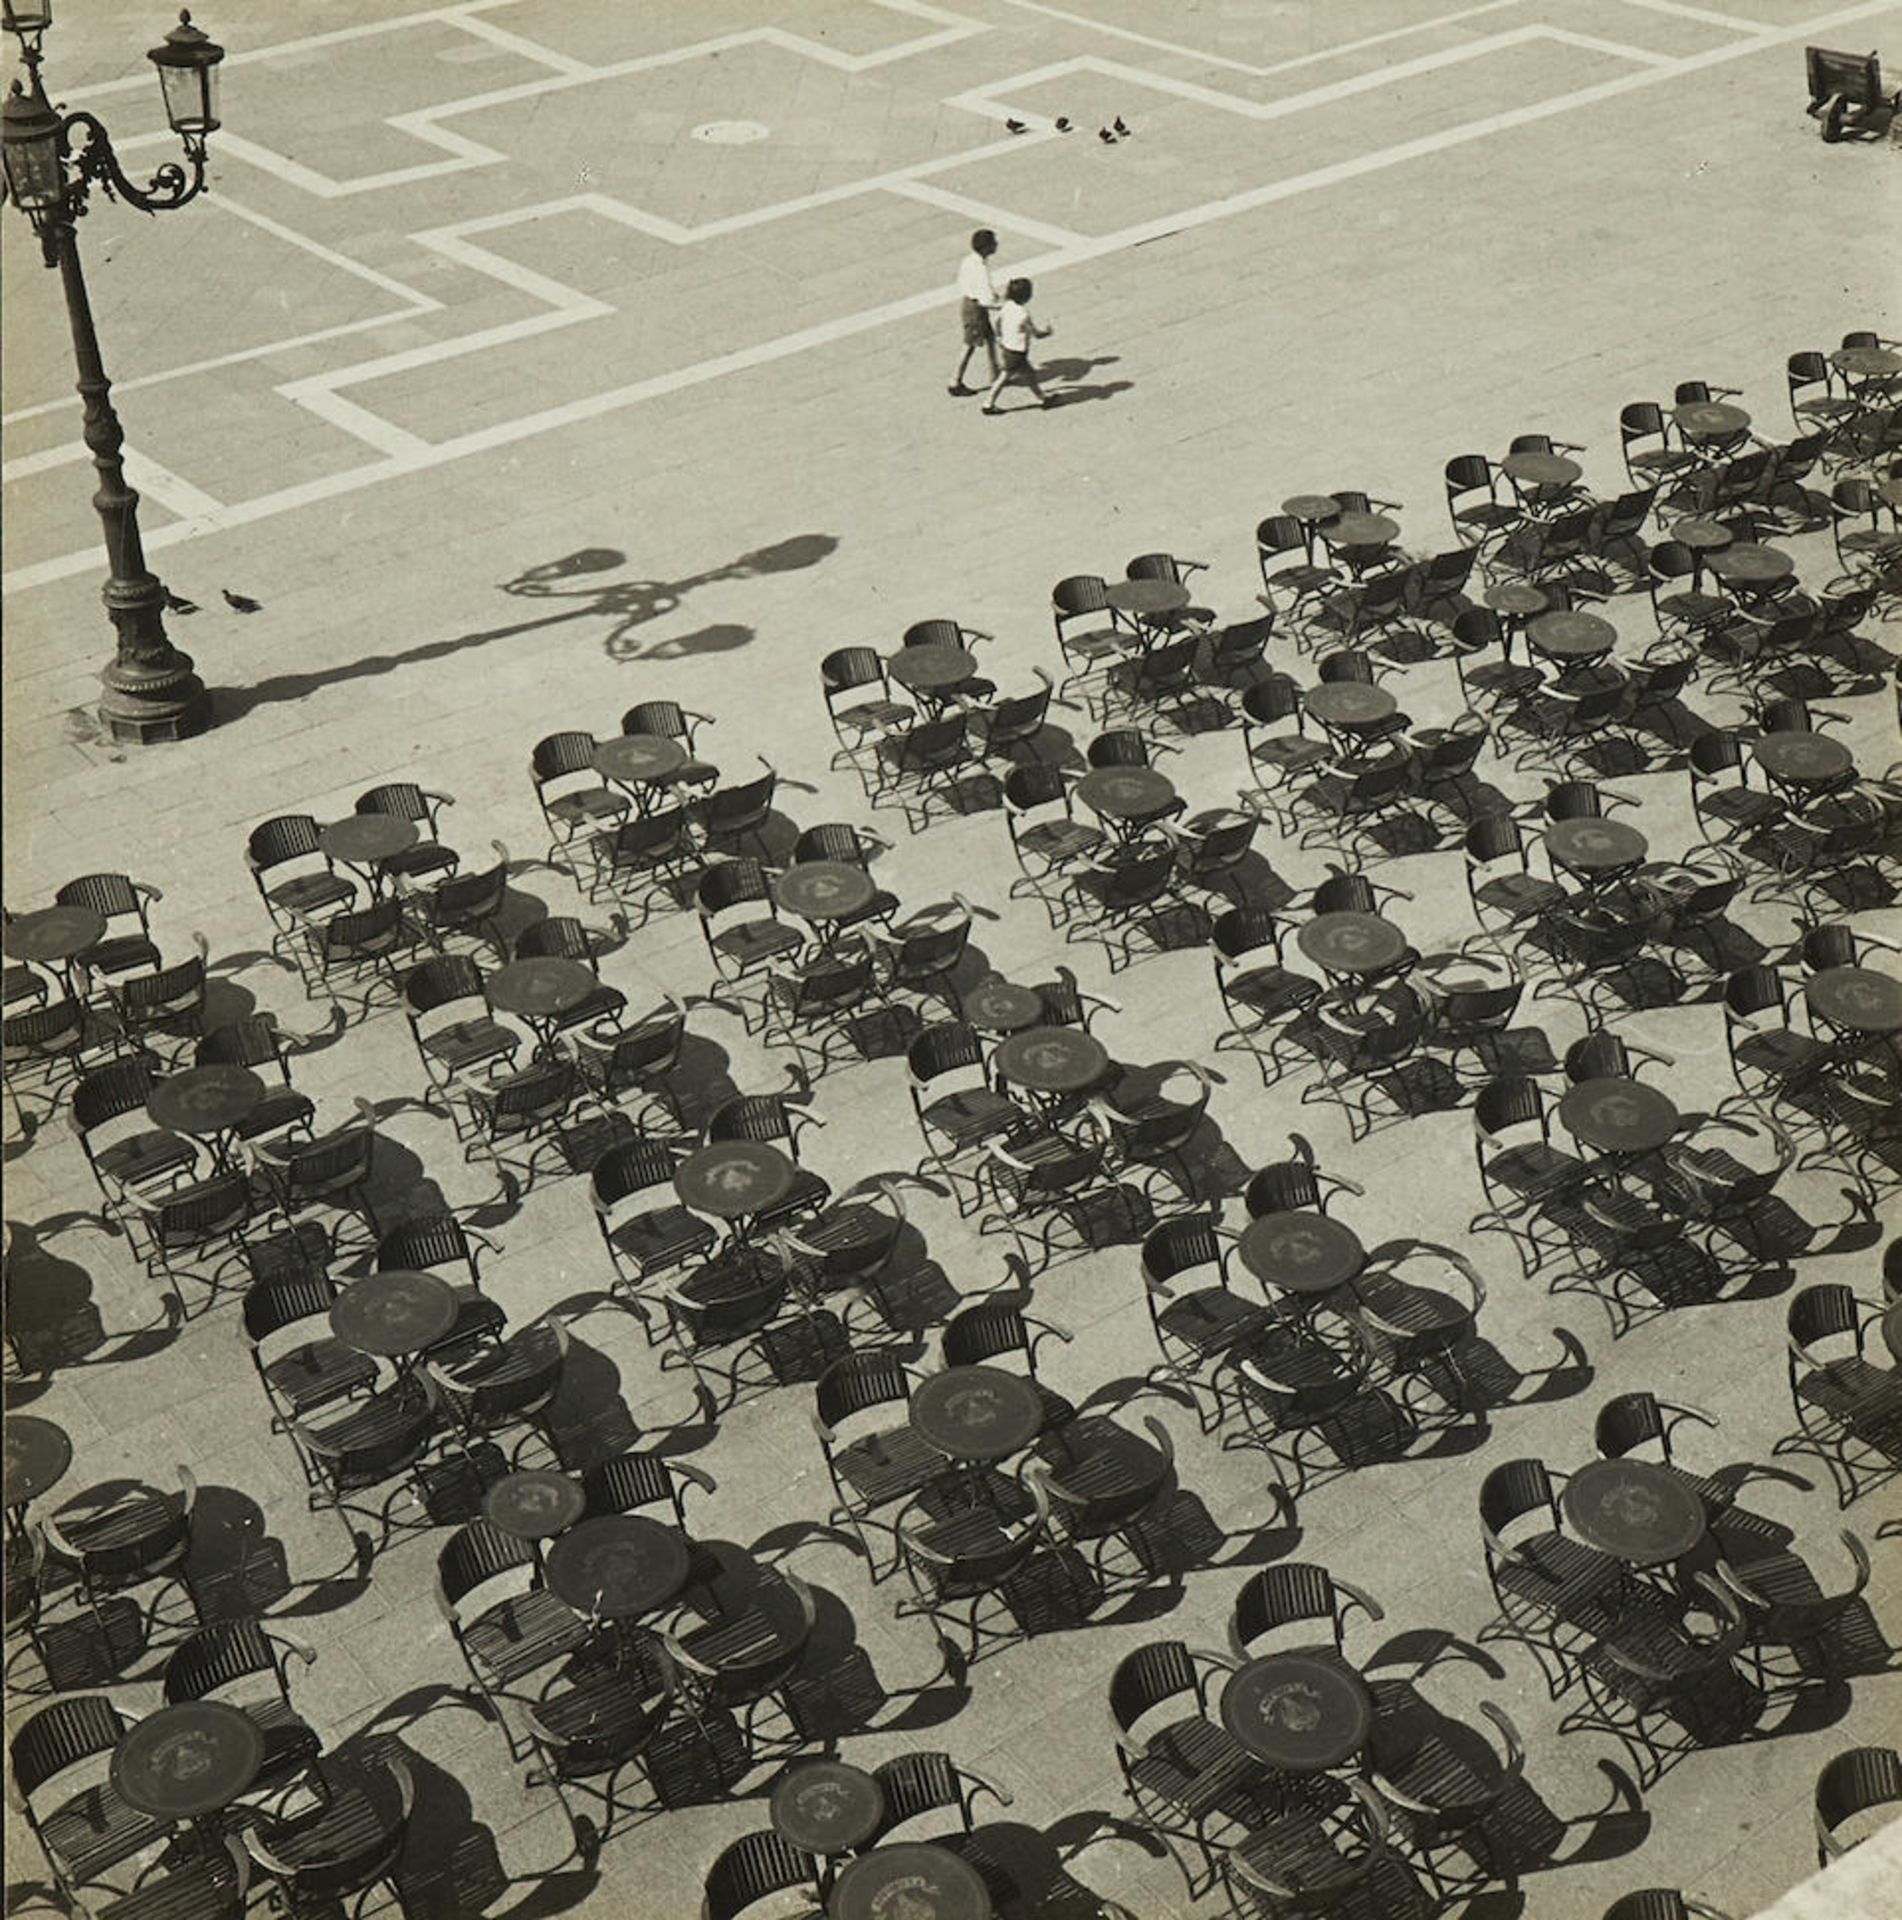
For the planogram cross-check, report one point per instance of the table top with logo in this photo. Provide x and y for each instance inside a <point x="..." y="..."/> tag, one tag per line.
<point x="1299" y="1712"/>
<point x="1618" y="1115"/>
<point x="977" y="1414"/>
<point x="1802" y="758"/>
<point x="52" y="934"/>
<point x="362" y="839"/>
<point x="826" y="1807"/>
<point x="1301" y="1251"/>
<point x="1126" y="793"/>
<point x="821" y="890"/>
<point x="1146" y="599"/>
<point x="638" y="759"/>
<point x="732" y="1178"/>
<point x="1533" y="469"/>
<point x="931" y="669"/>
<point x="1566" y="635"/>
<point x="533" y="1504"/>
<point x="185" y="1761"/>
<point x="1351" y="942"/>
<point x="618" y="1565"/>
<point x="395" y="1314"/>
<point x="909" y="1881"/>
<point x="1349" y="703"/>
<point x="1051" y="1060"/>
<point x="1747" y="563"/>
<point x="37" y="1456"/>
<point x="1593" y="846"/>
<point x="1635" y="1510"/>
<point x="1856" y="999"/>
<point x="205" y="1100"/>
<point x="1709" y="419"/>
<point x="1001" y="1006"/>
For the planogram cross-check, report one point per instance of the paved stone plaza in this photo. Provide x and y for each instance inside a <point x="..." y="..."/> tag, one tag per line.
<point x="531" y="358"/>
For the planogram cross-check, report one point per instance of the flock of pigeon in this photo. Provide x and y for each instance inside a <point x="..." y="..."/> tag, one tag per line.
<point x="1109" y="135"/>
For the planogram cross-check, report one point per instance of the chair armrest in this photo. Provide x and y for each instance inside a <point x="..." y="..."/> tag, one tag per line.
<point x="1362" y="1599"/>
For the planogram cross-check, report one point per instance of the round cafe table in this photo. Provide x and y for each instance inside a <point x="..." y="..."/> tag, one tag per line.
<point x="730" y="1179"/>
<point x="361" y="840"/>
<point x="1553" y="470"/>
<point x="1617" y="1115"/>
<point x="1746" y="564"/>
<point x="1052" y="1060"/>
<point x="910" y="1881"/>
<point x="1360" y="530"/>
<point x="1892" y="1330"/>
<point x="977" y="1414"/>
<point x="539" y="991"/>
<point x="1146" y="599"/>
<point x="394" y="1315"/>
<point x="1301" y="1252"/>
<point x="1709" y="419"/>
<point x="1349" y="704"/>
<point x="1351" y="943"/>
<point x="618" y="1565"/>
<point x="1866" y="363"/>
<point x="639" y="759"/>
<point x="206" y="1102"/>
<point x="1516" y="599"/>
<point x="1594" y="848"/>
<point x="188" y="1760"/>
<point x="1300" y="1712"/>
<point x="1571" y="636"/>
<point x="1311" y="509"/>
<point x="52" y="936"/>
<point x="1702" y="536"/>
<point x="1634" y="1510"/>
<point x="1802" y="759"/>
<point x="823" y="891"/>
<point x="931" y="670"/>
<point x="1002" y="1007"/>
<point x="827" y="1807"/>
<point x="1126" y="796"/>
<point x="37" y="1456"/>
<point x="1856" y="999"/>
<point x="534" y="1504"/>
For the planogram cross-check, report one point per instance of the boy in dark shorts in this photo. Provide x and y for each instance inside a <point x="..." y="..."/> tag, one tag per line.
<point x="1015" y="331"/>
<point x="977" y="307"/>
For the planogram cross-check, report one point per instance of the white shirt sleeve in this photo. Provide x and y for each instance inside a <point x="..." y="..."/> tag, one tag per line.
<point x="974" y="281"/>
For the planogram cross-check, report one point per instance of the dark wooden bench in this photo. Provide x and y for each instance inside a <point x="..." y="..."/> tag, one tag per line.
<point x="1846" y="90"/>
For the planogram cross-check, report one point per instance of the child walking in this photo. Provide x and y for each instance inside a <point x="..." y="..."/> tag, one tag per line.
<point x="1015" y="331"/>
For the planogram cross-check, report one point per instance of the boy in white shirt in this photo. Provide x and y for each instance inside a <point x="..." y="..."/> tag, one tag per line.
<point x="1015" y="331"/>
<point x="977" y="309"/>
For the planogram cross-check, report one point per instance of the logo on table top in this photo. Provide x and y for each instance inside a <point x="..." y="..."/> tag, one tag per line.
<point x="1618" y="1109"/>
<point x="187" y="1756"/>
<point x="537" y="1496"/>
<point x="976" y="1405"/>
<point x="912" y="1898"/>
<point x="1294" y="1705"/>
<point x="825" y="1800"/>
<point x="1045" y="1055"/>
<point x="1635" y="1506"/>
<point x="1300" y="1247"/>
<point x="1592" y="839"/>
<point x="732" y="1177"/>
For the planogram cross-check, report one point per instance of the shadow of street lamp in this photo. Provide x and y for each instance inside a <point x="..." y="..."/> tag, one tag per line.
<point x="53" y="160"/>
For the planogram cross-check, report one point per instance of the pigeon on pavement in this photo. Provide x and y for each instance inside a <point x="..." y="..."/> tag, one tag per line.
<point x="241" y="603"/>
<point x="1104" y="135"/>
<point x="1062" y="123"/>
<point x="1118" y="127"/>
<point x="177" y="603"/>
<point x="1015" y="126"/>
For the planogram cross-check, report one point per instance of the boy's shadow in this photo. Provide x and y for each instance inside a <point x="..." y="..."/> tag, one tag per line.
<point x="1076" y="368"/>
<point x="1072" y="389"/>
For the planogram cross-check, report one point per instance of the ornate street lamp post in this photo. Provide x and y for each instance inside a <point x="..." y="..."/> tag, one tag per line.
<point x="52" y="162"/>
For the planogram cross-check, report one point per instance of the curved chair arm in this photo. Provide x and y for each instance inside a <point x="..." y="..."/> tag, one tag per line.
<point x="1510" y="1738"/>
<point x="1164" y="1439"/>
<point x="1359" y="1597"/>
<point x="1406" y="1802"/>
<point x="1047" y="1328"/>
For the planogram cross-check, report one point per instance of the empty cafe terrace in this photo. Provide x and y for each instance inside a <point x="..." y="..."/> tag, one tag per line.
<point x="1303" y="1147"/>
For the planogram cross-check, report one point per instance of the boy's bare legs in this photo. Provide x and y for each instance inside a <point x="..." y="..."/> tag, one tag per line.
<point x="1027" y="374"/>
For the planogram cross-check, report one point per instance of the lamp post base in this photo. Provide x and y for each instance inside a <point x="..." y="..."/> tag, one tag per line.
<point x="141" y="708"/>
